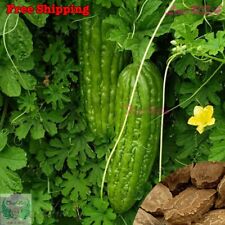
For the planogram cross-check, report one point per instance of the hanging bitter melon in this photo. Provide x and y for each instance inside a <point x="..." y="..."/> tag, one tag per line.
<point x="134" y="156"/>
<point x="101" y="63"/>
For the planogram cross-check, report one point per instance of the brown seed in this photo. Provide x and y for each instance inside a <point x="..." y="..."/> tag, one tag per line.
<point x="161" y="220"/>
<point x="220" y="202"/>
<point x="144" y="218"/>
<point x="214" y="217"/>
<point x="156" y="199"/>
<point x="189" y="206"/>
<point x="207" y="174"/>
<point x="178" y="180"/>
<point x="46" y="80"/>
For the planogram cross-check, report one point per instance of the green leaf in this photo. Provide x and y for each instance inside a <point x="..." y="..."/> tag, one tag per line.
<point x="203" y="96"/>
<point x="22" y="130"/>
<point x="37" y="130"/>
<point x="132" y="30"/>
<point x="11" y="159"/>
<point x="56" y="95"/>
<point x="74" y="151"/>
<point x="95" y="172"/>
<point x="138" y="46"/>
<point x="108" y="3"/>
<point x="31" y="119"/>
<point x="217" y="138"/>
<point x="64" y="24"/>
<point x="149" y="8"/>
<point x="56" y="158"/>
<point x="186" y="22"/>
<point x="75" y="186"/>
<point x="98" y="212"/>
<point x="3" y="16"/>
<point x="68" y="207"/>
<point x="49" y="221"/>
<point x="8" y="82"/>
<point x="50" y="127"/>
<point x="182" y="66"/>
<point x="186" y="141"/>
<point x="64" y="72"/>
<point x="3" y="139"/>
<point x="56" y="154"/>
<point x="10" y="182"/>
<point x="18" y="119"/>
<point x="54" y="116"/>
<point x="59" y="47"/>
<point x="214" y="45"/>
<point x="38" y="20"/>
<point x="128" y="217"/>
<point x="27" y="81"/>
<point x="25" y="64"/>
<point x="41" y="205"/>
<point x="19" y="41"/>
<point x="49" y="121"/>
<point x="27" y="102"/>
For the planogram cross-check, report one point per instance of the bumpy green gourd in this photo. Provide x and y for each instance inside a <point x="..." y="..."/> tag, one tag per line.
<point x="134" y="156"/>
<point x="101" y="64"/>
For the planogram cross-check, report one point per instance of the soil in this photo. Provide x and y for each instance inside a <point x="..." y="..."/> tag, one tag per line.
<point x="192" y="195"/>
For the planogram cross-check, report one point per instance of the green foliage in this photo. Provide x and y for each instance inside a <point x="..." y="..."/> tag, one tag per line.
<point x="37" y="19"/>
<point x="9" y="84"/>
<point x="11" y="159"/>
<point x="59" y="47"/>
<point x="200" y="50"/>
<point x="132" y="29"/>
<point x="19" y="42"/>
<point x="109" y="3"/>
<point x="3" y="139"/>
<point x="217" y="137"/>
<point x="97" y="212"/>
<point x="41" y="204"/>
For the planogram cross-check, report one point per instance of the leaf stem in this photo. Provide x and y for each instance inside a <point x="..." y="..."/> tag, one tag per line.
<point x="193" y="95"/>
<point x="4" y="113"/>
<point x="163" y="106"/>
<point x="137" y="18"/>
<point x="162" y="117"/>
<point x="196" y="92"/>
<point x="215" y="58"/>
<point x="7" y="51"/>
<point x="124" y="221"/>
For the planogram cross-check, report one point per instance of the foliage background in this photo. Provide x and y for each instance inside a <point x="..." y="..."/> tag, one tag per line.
<point x="45" y="146"/>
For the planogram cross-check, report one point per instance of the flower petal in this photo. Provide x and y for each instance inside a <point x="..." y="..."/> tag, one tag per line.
<point x="198" y="110"/>
<point x="208" y="111"/>
<point x="202" y="117"/>
<point x="211" y="122"/>
<point x="200" y="129"/>
<point x="193" y="121"/>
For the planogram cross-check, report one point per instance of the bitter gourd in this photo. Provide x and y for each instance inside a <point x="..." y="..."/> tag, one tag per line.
<point x="134" y="156"/>
<point x="101" y="64"/>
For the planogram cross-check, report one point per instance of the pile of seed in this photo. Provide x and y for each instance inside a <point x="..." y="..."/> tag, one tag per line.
<point x="193" y="195"/>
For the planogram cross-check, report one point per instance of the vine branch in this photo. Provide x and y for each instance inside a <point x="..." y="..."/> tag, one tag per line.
<point x="4" y="113"/>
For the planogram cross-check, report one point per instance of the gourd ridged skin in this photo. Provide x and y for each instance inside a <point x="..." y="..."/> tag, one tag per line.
<point x="132" y="161"/>
<point x="101" y="64"/>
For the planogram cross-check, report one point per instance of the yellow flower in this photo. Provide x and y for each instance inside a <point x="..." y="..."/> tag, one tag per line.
<point x="202" y="118"/>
